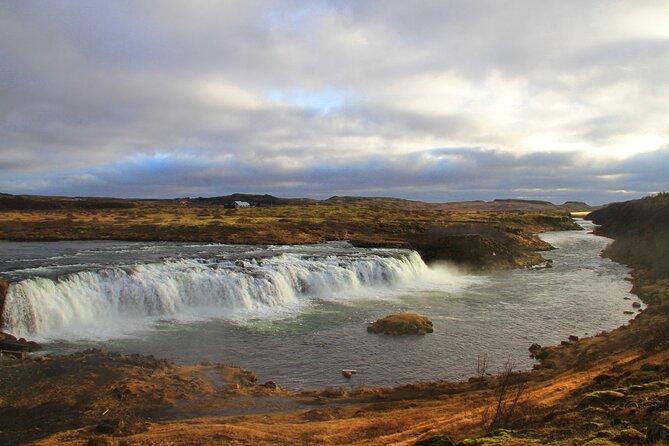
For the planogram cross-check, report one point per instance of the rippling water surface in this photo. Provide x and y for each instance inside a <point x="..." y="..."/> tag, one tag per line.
<point x="297" y="314"/>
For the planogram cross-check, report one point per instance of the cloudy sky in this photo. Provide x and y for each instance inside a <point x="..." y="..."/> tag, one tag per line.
<point x="432" y="100"/>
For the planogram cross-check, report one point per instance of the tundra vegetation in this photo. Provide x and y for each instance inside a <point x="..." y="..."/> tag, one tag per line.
<point x="610" y="389"/>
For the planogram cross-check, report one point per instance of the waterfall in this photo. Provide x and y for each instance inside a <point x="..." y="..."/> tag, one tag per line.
<point x="176" y="288"/>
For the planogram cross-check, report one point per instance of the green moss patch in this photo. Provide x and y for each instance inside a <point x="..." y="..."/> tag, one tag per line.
<point x="499" y="437"/>
<point x="600" y="442"/>
<point x="654" y="386"/>
<point x="602" y="398"/>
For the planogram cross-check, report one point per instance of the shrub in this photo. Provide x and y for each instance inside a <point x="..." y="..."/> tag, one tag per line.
<point x="509" y="401"/>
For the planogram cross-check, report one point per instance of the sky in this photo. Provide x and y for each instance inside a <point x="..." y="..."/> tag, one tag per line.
<point x="431" y="100"/>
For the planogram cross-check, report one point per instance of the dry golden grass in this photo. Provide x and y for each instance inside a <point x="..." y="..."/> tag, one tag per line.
<point x="397" y="416"/>
<point x="436" y="231"/>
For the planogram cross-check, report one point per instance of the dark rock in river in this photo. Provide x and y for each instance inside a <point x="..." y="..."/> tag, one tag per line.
<point x="537" y="351"/>
<point x="636" y="304"/>
<point x="573" y="338"/>
<point x="9" y="342"/>
<point x="271" y="385"/>
<point x="541" y="265"/>
<point x="402" y="323"/>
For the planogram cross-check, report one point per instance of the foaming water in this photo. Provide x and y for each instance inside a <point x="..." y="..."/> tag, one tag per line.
<point x="297" y="315"/>
<point x="116" y="301"/>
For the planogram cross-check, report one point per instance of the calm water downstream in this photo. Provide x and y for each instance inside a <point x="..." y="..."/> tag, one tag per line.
<point x="297" y="315"/>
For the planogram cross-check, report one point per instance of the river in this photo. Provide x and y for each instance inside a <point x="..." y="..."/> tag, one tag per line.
<point x="297" y="315"/>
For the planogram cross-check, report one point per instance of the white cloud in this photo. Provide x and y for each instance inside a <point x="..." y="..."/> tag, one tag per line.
<point x="292" y="84"/>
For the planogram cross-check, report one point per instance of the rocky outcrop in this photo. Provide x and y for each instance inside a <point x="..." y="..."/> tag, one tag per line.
<point x="4" y="287"/>
<point x="537" y="351"/>
<point x="9" y="342"/>
<point x="641" y="235"/>
<point x="402" y="323"/>
<point x="473" y="249"/>
<point x="480" y="247"/>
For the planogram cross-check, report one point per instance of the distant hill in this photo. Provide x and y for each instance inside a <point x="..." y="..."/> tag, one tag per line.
<point x="576" y="206"/>
<point x="255" y="200"/>
<point x="520" y="204"/>
<point x="378" y="202"/>
<point x="266" y="200"/>
<point x="519" y="200"/>
<point x="498" y="205"/>
<point x="504" y="205"/>
<point x="35" y="202"/>
<point x="10" y="202"/>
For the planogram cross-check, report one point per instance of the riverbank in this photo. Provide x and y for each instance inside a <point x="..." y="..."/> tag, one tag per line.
<point x="480" y="235"/>
<point x="100" y="398"/>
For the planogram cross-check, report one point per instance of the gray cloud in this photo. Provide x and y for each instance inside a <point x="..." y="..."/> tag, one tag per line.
<point x="435" y="175"/>
<point x="550" y="99"/>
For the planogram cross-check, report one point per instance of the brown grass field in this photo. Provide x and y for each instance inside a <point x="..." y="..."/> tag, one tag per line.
<point x="466" y="233"/>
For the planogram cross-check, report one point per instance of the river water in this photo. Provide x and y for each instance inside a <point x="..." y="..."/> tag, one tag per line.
<point x="298" y="314"/>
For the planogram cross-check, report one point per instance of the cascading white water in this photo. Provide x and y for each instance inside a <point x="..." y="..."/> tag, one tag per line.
<point x="178" y="288"/>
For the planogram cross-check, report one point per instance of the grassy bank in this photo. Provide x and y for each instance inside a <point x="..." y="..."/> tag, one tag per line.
<point x="483" y="235"/>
